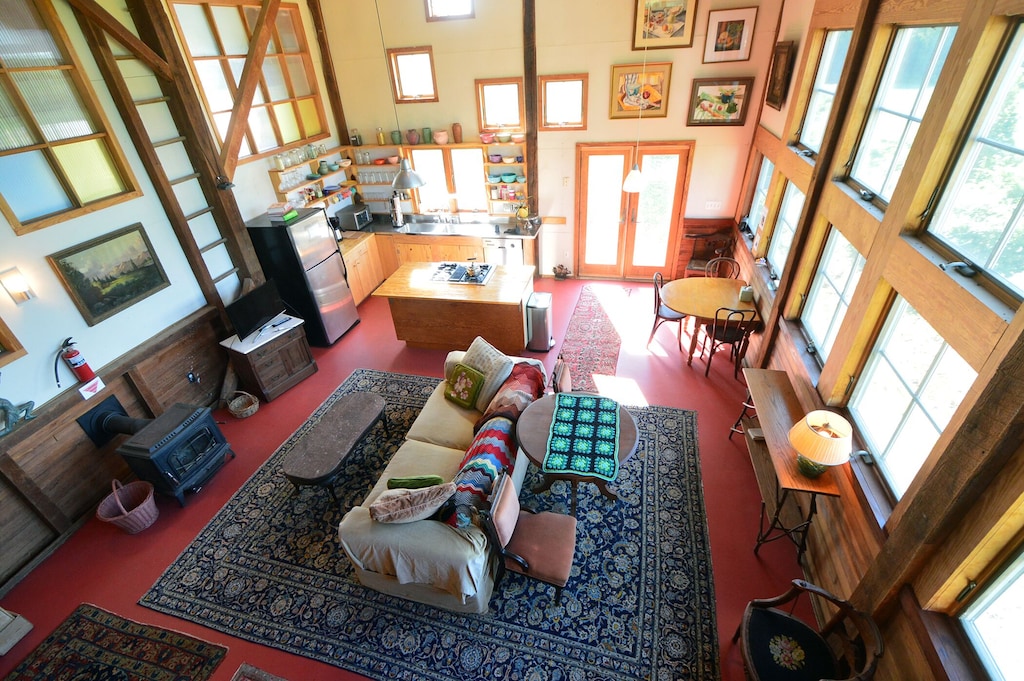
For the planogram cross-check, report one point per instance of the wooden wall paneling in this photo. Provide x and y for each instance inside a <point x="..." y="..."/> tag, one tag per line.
<point x="25" y="533"/>
<point x="191" y="349"/>
<point x="858" y="221"/>
<point x="698" y="226"/>
<point x="910" y="12"/>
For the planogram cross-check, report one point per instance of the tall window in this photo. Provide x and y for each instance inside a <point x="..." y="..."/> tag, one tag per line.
<point x="412" y="74"/>
<point x="499" y="104"/>
<point x="759" y="204"/>
<point x="57" y="156"/>
<point x="910" y="387"/>
<point x="823" y="92"/>
<point x="785" y="230"/>
<point x="992" y="623"/>
<point x="563" y="102"/>
<point x="831" y="289"/>
<point x="981" y="214"/>
<point x="906" y="88"/>
<point x="286" y="106"/>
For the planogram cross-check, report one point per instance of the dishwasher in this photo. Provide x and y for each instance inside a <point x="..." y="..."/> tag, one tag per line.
<point x="503" y="251"/>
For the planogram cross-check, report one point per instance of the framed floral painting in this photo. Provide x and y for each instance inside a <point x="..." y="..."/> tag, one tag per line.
<point x="638" y="88"/>
<point x="720" y="101"/>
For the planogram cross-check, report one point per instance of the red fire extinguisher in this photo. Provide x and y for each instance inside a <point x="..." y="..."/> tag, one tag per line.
<point x="75" y="361"/>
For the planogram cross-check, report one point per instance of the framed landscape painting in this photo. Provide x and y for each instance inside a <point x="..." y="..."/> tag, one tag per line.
<point x="730" y="34"/>
<point x="778" y="76"/>
<point x="636" y="88"/>
<point x="110" y="273"/>
<point x="661" y="24"/>
<point x="719" y="101"/>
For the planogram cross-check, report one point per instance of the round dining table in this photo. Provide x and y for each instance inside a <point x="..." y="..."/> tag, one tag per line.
<point x="700" y="298"/>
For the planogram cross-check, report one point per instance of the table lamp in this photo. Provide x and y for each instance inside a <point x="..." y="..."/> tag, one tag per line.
<point x="821" y="439"/>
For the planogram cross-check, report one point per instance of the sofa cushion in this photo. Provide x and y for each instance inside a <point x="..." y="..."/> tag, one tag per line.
<point x="492" y="450"/>
<point x="523" y="386"/>
<point x="464" y="385"/>
<point x="408" y="505"/>
<point x="443" y="423"/>
<point x="494" y="364"/>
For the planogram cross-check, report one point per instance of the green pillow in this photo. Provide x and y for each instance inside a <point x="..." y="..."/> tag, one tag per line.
<point x="414" y="481"/>
<point x="464" y="385"/>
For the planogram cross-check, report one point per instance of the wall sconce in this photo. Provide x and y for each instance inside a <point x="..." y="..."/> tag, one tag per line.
<point x="16" y="285"/>
<point x="821" y="439"/>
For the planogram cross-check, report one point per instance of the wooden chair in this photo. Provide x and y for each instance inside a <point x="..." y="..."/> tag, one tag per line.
<point x="561" y="378"/>
<point x="705" y="248"/>
<point x="730" y="327"/>
<point x="538" y="545"/>
<point x="663" y="313"/>
<point x="779" y="646"/>
<point x="722" y="268"/>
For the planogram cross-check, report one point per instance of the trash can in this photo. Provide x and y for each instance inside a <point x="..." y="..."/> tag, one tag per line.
<point x="538" y="322"/>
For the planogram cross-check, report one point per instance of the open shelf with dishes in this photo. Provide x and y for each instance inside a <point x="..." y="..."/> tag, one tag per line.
<point x="312" y="175"/>
<point x="374" y="169"/>
<point x="505" y="166"/>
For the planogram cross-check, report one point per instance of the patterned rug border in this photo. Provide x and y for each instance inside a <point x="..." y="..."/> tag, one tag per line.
<point x="78" y="638"/>
<point x="665" y="620"/>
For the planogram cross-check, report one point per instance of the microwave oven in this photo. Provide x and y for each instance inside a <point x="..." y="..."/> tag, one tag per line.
<point x="352" y="218"/>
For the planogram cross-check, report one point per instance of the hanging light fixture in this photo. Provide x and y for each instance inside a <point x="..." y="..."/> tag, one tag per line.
<point x="634" y="181"/>
<point x="407" y="178"/>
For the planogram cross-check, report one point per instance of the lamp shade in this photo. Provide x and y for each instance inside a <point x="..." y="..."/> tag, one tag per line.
<point x="634" y="182"/>
<point x="407" y="177"/>
<point x="822" y="438"/>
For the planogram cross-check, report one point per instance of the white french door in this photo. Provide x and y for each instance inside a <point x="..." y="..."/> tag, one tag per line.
<point x="630" y="236"/>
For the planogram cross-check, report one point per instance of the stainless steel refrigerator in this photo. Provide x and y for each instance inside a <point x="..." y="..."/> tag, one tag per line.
<point x="302" y="257"/>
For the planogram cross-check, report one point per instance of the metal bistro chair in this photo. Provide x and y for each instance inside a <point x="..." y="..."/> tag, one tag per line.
<point x="730" y="327"/>
<point x="777" y="645"/>
<point x="663" y="313"/>
<point x="538" y="545"/>
<point x="723" y="268"/>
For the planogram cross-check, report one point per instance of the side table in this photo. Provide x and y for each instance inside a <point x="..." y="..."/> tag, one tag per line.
<point x="273" y="359"/>
<point x="532" y="431"/>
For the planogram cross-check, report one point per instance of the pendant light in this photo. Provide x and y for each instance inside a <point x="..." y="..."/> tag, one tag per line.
<point x="634" y="181"/>
<point x="407" y="178"/>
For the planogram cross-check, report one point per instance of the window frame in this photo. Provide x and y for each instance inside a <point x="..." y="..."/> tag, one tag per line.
<point x="10" y="348"/>
<point x="806" y="150"/>
<point x="73" y="67"/>
<point x="542" y="95"/>
<point x="774" y="275"/>
<point x="828" y="248"/>
<point x="481" y="105"/>
<point x="428" y="10"/>
<point x="266" y="103"/>
<point x="394" y="54"/>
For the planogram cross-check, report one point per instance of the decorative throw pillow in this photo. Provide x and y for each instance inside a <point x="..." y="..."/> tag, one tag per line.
<point x="408" y="505"/>
<point x="464" y="386"/>
<point x="493" y="364"/>
<point x="492" y="450"/>
<point x="524" y="386"/>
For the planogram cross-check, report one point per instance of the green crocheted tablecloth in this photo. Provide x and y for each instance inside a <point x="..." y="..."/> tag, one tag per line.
<point x="584" y="437"/>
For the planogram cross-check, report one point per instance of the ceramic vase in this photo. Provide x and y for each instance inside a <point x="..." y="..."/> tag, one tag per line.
<point x="412" y="136"/>
<point x="440" y="137"/>
<point x="396" y="136"/>
<point x="457" y="133"/>
<point x="427" y="136"/>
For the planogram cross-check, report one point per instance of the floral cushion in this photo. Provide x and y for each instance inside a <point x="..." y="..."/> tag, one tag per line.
<point x="408" y="505"/>
<point x="464" y="386"/>
<point x="493" y="450"/>
<point x="494" y="364"/>
<point x="523" y="386"/>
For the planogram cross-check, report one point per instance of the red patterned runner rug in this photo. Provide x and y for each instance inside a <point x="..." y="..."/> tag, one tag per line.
<point x="591" y="345"/>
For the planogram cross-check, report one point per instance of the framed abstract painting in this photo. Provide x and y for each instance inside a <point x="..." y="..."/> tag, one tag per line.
<point x="730" y="34"/>
<point x="659" y="24"/>
<point x="637" y="88"/>
<point x="719" y="101"/>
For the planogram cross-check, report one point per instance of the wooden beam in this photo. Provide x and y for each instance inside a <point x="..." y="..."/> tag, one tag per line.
<point x="530" y="100"/>
<point x="102" y="18"/>
<point x="330" y="79"/>
<point x="251" y="71"/>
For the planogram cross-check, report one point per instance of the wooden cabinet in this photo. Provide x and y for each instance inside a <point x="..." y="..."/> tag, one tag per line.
<point x="268" y="368"/>
<point x="414" y="248"/>
<point x="292" y="180"/>
<point x="365" y="272"/>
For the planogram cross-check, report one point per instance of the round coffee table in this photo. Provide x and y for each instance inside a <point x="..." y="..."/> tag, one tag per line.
<point x="532" y="431"/>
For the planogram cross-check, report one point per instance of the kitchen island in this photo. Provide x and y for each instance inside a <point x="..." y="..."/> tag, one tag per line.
<point x="448" y="316"/>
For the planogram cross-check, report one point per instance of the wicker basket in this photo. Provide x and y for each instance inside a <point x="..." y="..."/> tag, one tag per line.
<point x="244" y="405"/>
<point x="130" y="507"/>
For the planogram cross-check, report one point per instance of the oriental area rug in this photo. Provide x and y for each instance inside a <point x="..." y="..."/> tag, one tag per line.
<point x="639" y="603"/>
<point x="96" y="645"/>
<point x="591" y="344"/>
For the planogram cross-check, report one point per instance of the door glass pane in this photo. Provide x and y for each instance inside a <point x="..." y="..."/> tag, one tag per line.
<point x="468" y="174"/>
<point x="605" y="181"/>
<point x="654" y="209"/>
<point x="429" y="164"/>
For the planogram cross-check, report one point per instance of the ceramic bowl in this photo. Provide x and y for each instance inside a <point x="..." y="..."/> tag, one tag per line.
<point x="494" y="158"/>
<point x="508" y="177"/>
<point x="494" y="179"/>
<point x="518" y="137"/>
<point x="345" y="162"/>
<point x="333" y="166"/>
<point x="379" y="161"/>
<point x="487" y="137"/>
<point x="393" y="160"/>
<point x="504" y="137"/>
<point x="440" y="137"/>
<point x="520" y="178"/>
<point x="313" y="176"/>
<point x="508" y="159"/>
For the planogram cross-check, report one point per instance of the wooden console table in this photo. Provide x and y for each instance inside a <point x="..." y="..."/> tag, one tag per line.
<point x="274" y="359"/>
<point x="774" y="459"/>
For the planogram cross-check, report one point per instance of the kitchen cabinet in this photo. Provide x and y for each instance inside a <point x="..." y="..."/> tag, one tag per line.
<point x="292" y="182"/>
<point x="268" y="368"/>
<point x="419" y="248"/>
<point x="365" y="272"/>
<point x="504" y="198"/>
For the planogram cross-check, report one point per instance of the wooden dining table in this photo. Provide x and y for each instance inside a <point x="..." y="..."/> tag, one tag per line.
<point x="700" y="298"/>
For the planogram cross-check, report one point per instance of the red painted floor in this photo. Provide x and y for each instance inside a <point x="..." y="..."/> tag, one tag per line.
<point x="104" y="566"/>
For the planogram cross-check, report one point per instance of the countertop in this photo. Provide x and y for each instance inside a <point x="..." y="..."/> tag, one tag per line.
<point x="382" y="225"/>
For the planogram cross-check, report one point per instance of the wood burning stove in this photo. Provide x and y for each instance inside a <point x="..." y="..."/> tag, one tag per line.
<point x="178" y="452"/>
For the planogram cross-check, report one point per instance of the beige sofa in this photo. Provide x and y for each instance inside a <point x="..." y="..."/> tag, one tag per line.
<point x="427" y="560"/>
